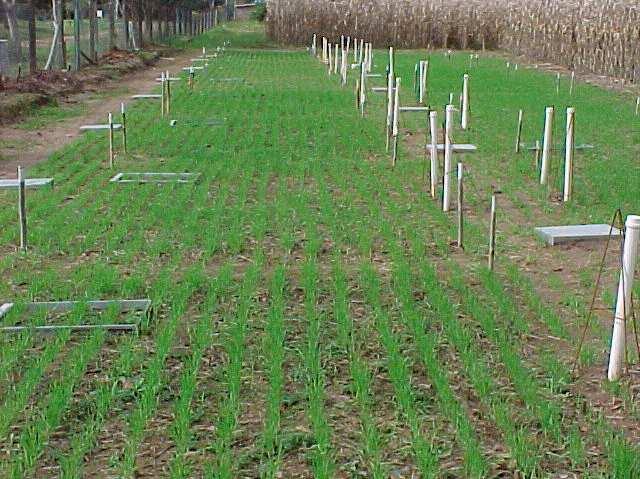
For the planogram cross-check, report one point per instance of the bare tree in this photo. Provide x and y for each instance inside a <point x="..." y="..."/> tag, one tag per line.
<point x="9" y="7"/>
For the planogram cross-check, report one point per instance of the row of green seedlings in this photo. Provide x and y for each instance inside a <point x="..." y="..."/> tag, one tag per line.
<point x="26" y="339"/>
<point x="620" y="452"/>
<point x="39" y="364"/>
<point x="86" y="440"/>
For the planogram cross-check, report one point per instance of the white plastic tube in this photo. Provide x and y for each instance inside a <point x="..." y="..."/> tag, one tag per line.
<point x="330" y="58"/>
<point x="433" y="150"/>
<point x="448" y="155"/>
<point x="424" y="66"/>
<point x="390" y="97"/>
<point x="568" y="154"/>
<point x="314" y="45"/>
<point x="336" y="60"/>
<point x="624" y="303"/>
<point x="464" y="122"/>
<point x="546" y="145"/>
<point x="396" y="109"/>
<point x="363" y="87"/>
<point x="391" y="61"/>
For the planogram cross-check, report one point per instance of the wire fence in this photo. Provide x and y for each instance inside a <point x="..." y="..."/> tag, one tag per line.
<point x="49" y="38"/>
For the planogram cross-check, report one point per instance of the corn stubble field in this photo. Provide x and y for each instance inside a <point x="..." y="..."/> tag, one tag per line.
<point x="310" y="316"/>
<point x="592" y="36"/>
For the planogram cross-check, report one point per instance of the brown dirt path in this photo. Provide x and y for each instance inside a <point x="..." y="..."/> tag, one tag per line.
<point x="24" y="147"/>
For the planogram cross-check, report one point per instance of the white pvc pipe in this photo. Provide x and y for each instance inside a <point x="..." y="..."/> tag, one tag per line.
<point x="335" y="62"/>
<point x="391" y="61"/>
<point x="568" y="154"/>
<point x="361" y="51"/>
<point x="396" y="108"/>
<point x="464" y="122"/>
<point x="390" y="96"/>
<point x="324" y="50"/>
<point x="424" y="68"/>
<point x="314" y="45"/>
<point x="363" y="88"/>
<point x="433" y="150"/>
<point x="355" y="50"/>
<point x="370" y="62"/>
<point x="330" y="57"/>
<point x="448" y="155"/>
<point x="624" y="304"/>
<point x="546" y="145"/>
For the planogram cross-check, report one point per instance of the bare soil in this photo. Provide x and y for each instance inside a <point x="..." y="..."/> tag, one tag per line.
<point x="28" y="147"/>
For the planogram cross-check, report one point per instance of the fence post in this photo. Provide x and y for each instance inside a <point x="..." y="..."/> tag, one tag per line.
<point x="22" y="209"/>
<point x="460" y="206"/>
<point x="492" y="233"/>
<point x="76" y="33"/>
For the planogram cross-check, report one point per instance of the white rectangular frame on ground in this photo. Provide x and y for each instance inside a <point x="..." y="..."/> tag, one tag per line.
<point x="554" y="235"/>
<point x="147" y="96"/>
<point x="28" y="183"/>
<point x="151" y="177"/>
<point x="106" y="126"/>
<point x="124" y="305"/>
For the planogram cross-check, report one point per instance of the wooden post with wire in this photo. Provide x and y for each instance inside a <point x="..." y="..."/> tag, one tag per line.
<point x="124" y="127"/>
<point x="111" y="152"/>
<point x="168" y="79"/>
<point x="492" y="233"/>
<point x="519" y="132"/>
<point x="460" y="206"/>
<point x="22" y="209"/>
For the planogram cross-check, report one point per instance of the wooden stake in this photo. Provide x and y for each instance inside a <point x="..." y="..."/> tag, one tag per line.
<point x="168" y="92"/>
<point x="492" y="233"/>
<point x="22" y="209"/>
<point x="460" y="205"/>
<point x="568" y="156"/>
<point x="519" y="133"/>
<point x="162" y="95"/>
<point x="124" y="128"/>
<point x="573" y="79"/>
<point x="111" y="154"/>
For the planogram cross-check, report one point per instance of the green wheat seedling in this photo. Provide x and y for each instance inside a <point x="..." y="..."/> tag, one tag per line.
<point x="360" y="376"/>
<point x="223" y="464"/>
<point x="399" y="373"/>
<point x="274" y="354"/>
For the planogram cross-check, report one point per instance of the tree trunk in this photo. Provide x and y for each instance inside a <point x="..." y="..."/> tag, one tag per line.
<point x="33" y="61"/>
<point x="113" y="13"/>
<point x="93" y="30"/>
<point x="55" y="14"/>
<point x="76" y="34"/>
<point x="149" y="21"/>
<point x="63" y="43"/>
<point x="125" y="21"/>
<point x="14" y="34"/>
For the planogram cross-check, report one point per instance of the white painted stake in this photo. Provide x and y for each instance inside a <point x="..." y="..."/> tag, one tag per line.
<point x="424" y="69"/>
<point x="637" y="105"/>
<point x="324" y="50"/>
<point x="391" y="61"/>
<point x="370" y="60"/>
<point x="168" y="81"/>
<point x="355" y="50"/>
<point x="464" y="122"/>
<point x="330" y="58"/>
<point x="558" y="83"/>
<point x="336" y="59"/>
<point x="363" y="88"/>
<point x="450" y="99"/>
<point x="448" y="154"/>
<point x="22" y="209"/>
<point x="519" y="132"/>
<point x="361" y="51"/>
<point x="390" y="107"/>
<point x="624" y="304"/>
<point x="314" y="45"/>
<point x="162" y="97"/>
<point x="546" y="145"/>
<point x="433" y="150"/>
<point x="396" y="117"/>
<point x="111" y="154"/>
<point x="573" y="79"/>
<point x="568" y="154"/>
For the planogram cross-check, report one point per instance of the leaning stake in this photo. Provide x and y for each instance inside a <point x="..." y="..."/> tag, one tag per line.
<point x="464" y="122"/>
<point x="492" y="233"/>
<point x="568" y="154"/>
<point x="624" y="303"/>
<point x="448" y="154"/>
<point x="460" y="205"/>
<point x="519" y="133"/>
